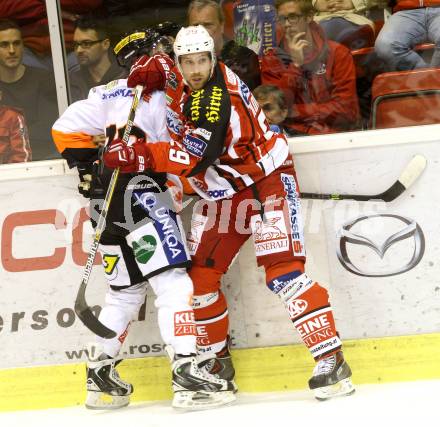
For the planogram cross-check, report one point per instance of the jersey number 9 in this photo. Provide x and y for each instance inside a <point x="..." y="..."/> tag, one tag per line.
<point x="179" y="156"/>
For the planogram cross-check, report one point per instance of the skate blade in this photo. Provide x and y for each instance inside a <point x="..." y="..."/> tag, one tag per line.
<point x="99" y="400"/>
<point x="198" y="401"/>
<point x="234" y="386"/>
<point x="341" y="388"/>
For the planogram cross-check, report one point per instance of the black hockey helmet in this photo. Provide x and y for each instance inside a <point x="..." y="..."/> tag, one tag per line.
<point x="138" y="43"/>
<point x="168" y="28"/>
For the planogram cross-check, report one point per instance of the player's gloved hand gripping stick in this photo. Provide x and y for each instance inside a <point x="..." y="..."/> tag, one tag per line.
<point x="83" y="311"/>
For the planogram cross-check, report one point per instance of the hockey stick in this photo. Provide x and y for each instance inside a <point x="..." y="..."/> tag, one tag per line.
<point x="409" y="175"/>
<point x="83" y="311"/>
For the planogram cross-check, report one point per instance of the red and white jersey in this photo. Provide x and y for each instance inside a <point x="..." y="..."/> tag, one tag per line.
<point x="221" y="140"/>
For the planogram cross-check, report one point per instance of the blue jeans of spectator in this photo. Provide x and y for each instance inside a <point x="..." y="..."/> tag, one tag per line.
<point x="345" y="32"/>
<point x="405" y="29"/>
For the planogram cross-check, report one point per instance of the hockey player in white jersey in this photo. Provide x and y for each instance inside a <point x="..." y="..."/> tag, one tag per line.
<point x="142" y="243"/>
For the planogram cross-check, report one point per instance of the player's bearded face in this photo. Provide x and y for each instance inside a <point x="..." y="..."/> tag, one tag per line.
<point x="196" y="69"/>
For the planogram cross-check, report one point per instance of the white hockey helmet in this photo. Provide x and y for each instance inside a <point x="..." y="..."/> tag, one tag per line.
<point x="194" y="39"/>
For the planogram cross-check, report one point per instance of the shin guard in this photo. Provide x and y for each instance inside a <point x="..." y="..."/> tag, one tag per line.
<point x="210" y="309"/>
<point x="309" y="308"/>
<point x="212" y="322"/>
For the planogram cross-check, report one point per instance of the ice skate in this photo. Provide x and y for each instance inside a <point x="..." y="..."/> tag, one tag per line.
<point x="331" y="377"/>
<point x="220" y="366"/>
<point x="195" y="388"/>
<point x="105" y="389"/>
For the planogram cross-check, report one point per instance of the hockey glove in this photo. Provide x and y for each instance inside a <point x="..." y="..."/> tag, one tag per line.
<point x="90" y="185"/>
<point x="129" y="158"/>
<point x="150" y="72"/>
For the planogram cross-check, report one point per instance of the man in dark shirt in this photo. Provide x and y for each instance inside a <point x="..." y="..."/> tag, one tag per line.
<point x="91" y="44"/>
<point x="242" y="60"/>
<point x="30" y="89"/>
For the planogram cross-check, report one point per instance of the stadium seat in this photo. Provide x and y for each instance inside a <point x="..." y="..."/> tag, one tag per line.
<point x="365" y="55"/>
<point x="406" y="98"/>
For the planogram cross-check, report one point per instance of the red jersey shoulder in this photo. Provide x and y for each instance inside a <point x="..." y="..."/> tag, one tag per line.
<point x="231" y="79"/>
<point x="174" y="79"/>
<point x="174" y="89"/>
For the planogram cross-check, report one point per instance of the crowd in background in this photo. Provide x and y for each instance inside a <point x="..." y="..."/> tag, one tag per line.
<point x="311" y="64"/>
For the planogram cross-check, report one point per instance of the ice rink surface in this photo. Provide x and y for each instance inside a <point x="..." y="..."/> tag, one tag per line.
<point x="399" y="404"/>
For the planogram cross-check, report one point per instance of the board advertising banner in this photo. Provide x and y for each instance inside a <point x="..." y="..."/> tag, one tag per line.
<point x="379" y="260"/>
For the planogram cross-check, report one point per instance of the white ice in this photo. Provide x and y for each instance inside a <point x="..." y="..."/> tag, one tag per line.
<point x="399" y="404"/>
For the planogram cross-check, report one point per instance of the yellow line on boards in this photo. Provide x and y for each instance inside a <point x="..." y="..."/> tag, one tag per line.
<point x="391" y="359"/>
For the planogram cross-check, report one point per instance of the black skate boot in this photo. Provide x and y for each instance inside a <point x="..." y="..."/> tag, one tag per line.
<point x="194" y="388"/>
<point x="105" y="389"/>
<point x="331" y="377"/>
<point x="219" y="365"/>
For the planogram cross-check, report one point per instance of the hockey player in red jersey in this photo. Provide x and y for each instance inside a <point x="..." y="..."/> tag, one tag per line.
<point x="143" y="242"/>
<point x="222" y="144"/>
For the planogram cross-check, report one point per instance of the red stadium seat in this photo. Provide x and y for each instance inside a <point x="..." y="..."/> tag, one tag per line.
<point x="364" y="55"/>
<point x="406" y="98"/>
<point x="424" y="46"/>
<point x="360" y="58"/>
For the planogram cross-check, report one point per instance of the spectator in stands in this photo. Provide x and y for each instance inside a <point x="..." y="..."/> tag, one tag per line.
<point x="242" y="60"/>
<point x="345" y="21"/>
<point x="411" y="23"/>
<point x="14" y="138"/>
<point x="30" y="89"/>
<point x="273" y="102"/>
<point x="91" y="44"/>
<point x="31" y="16"/>
<point x="317" y="76"/>
<point x="209" y="14"/>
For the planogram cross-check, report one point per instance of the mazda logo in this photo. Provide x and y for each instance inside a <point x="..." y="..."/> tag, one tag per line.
<point x="411" y="231"/>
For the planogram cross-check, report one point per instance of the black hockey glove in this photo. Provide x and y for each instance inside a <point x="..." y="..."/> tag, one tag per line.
<point x="90" y="185"/>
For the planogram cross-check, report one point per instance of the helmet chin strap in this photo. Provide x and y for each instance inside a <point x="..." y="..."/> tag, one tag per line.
<point x="181" y="71"/>
<point x="213" y="62"/>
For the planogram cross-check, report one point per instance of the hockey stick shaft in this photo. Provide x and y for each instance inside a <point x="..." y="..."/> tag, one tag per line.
<point x="82" y="309"/>
<point x="409" y="175"/>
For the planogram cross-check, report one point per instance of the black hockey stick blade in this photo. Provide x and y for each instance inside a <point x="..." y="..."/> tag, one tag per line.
<point x="409" y="175"/>
<point x="85" y="314"/>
